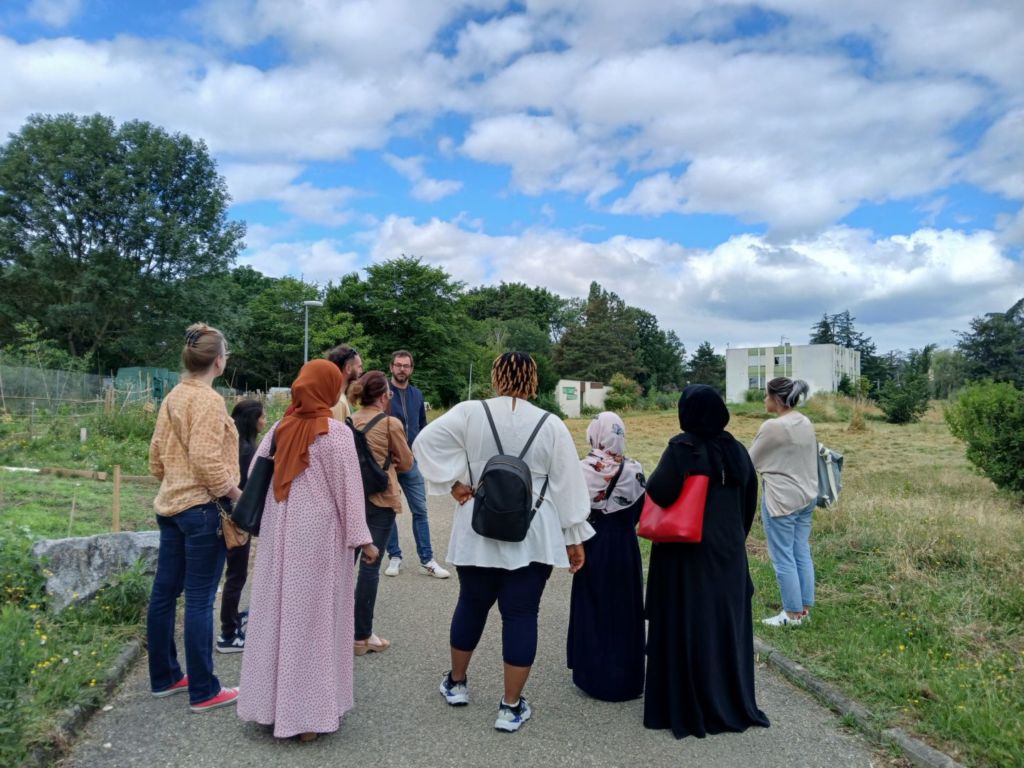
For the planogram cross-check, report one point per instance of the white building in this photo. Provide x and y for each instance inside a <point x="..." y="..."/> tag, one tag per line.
<point x="573" y="394"/>
<point x="822" y="366"/>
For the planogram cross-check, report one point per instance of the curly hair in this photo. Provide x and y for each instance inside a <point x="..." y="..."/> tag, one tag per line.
<point x="514" y="374"/>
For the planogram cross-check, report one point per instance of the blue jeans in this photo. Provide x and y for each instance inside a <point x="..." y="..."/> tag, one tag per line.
<point x="416" y="495"/>
<point x="789" y="546"/>
<point x="191" y="559"/>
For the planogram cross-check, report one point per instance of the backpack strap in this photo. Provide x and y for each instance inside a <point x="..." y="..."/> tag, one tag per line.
<point x="534" y="434"/>
<point x="366" y="430"/>
<point x="494" y="430"/>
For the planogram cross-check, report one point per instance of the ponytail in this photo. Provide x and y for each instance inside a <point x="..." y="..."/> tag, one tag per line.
<point x="788" y="391"/>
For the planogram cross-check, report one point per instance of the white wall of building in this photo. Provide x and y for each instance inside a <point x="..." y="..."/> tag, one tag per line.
<point x="822" y="366"/>
<point x="573" y="394"/>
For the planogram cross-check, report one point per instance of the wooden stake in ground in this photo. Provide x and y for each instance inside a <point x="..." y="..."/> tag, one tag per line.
<point x="116" y="523"/>
<point x="71" y="516"/>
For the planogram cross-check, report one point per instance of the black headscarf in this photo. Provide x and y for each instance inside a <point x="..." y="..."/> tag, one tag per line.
<point x="703" y="418"/>
<point x="702" y="411"/>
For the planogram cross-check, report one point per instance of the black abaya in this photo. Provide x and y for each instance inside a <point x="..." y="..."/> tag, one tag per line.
<point x="700" y="654"/>
<point x="605" y="650"/>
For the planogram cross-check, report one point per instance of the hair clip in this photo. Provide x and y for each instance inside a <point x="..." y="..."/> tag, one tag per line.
<point x="191" y="337"/>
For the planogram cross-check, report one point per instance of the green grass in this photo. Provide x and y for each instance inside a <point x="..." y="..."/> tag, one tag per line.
<point x="50" y="662"/>
<point x="920" y="581"/>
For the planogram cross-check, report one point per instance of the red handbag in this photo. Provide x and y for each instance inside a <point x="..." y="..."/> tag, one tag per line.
<point x="683" y="521"/>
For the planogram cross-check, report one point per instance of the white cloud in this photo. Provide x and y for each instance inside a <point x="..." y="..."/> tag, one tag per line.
<point x="998" y="163"/>
<point x="908" y="290"/>
<point x="249" y="182"/>
<point x="258" y="181"/>
<point x="423" y="187"/>
<point x="54" y="13"/>
<point x="315" y="261"/>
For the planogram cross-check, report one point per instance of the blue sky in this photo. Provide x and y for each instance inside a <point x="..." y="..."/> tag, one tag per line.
<point x="736" y="168"/>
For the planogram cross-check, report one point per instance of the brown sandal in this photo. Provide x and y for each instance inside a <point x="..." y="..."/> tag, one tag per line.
<point x="372" y="644"/>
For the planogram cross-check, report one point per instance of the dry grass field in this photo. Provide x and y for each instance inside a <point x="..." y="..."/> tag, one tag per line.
<point x="920" y="580"/>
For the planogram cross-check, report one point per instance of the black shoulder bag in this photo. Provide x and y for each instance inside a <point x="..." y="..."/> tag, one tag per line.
<point x="248" y="511"/>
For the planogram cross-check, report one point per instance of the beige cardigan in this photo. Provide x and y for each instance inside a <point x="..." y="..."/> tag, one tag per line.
<point x="785" y="452"/>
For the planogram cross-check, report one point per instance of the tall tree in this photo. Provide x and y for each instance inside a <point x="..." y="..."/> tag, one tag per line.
<point x="707" y="367"/>
<point x="602" y="344"/>
<point x="659" y="354"/>
<point x="268" y="344"/>
<point x="406" y="304"/>
<point x="101" y="229"/>
<point x="821" y="331"/>
<point x="994" y="347"/>
<point x="517" y="301"/>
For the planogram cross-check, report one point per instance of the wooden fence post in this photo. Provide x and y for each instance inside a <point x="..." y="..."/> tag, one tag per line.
<point x="117" y="499"/>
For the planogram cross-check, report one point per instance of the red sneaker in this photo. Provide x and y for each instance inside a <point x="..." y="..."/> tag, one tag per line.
<point x="222" y="699"/>
<point x="178" y="687"/>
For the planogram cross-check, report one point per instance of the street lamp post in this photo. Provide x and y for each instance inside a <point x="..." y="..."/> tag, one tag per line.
<point x="305" y="335"/>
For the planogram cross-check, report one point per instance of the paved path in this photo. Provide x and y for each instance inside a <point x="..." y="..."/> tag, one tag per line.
<point x="401" y="720"/>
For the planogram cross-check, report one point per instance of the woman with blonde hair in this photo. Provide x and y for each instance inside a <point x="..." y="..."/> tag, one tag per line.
<point x="297" y="668"/>
<point x="194" y="454"/>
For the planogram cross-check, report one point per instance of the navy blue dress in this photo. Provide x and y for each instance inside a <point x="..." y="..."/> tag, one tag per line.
<point x="605" y="650"/>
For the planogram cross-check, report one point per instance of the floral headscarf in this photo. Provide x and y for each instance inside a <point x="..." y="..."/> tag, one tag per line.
<point x="607" y="437"/>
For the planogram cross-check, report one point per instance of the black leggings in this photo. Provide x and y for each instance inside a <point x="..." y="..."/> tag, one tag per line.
<point x="234" y="581"/>
<point x="518" y="595"/>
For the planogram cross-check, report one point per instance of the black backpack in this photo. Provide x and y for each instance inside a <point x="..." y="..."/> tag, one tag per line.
<point x="504" y="505"/>
<point x="375" y="477"/>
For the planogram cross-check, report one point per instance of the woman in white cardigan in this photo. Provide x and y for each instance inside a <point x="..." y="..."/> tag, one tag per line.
<point x="451" y="451"/>
<point x="785" y="454"/>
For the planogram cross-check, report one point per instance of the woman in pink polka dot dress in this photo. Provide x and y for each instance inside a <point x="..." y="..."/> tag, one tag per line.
<point x="298" y="663"/>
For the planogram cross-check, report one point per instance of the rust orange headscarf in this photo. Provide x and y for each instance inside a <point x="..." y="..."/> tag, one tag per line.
<point x="314" y="393"/>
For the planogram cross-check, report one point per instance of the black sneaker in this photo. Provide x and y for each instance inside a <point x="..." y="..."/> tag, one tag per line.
<point x="234" y="644"/>
<point x="511" y="718"/>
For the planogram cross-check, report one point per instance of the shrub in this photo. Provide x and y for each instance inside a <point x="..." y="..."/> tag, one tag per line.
<point x="753" y="395"/>
<point x="904" y="402"/>
<point x="625" y="393"/>
<point x="659" y="401"/>
<point x="589" y="411"/>
<point x="989" y="417"/>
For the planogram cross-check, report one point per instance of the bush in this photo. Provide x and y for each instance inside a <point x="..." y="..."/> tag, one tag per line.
<point x="989" y="417"/>
<point x="753" y="395"/>
<point x="904" y="402"/>
<point x="589" y="411"/>
<point x="625" y="393"/>
<point x="659" y="401"/>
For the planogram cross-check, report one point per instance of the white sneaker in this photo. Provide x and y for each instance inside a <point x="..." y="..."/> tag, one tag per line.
<point x="511" y="719"/>
<point x="783" y="619"/>
<point x="435" y="570"/>
<point x="394" y="563"/>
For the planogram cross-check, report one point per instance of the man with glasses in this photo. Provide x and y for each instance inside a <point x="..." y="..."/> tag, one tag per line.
<point x="407" y="405"/>
<point x="351" y="365"/>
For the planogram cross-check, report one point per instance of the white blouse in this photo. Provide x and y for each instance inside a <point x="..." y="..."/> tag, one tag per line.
<point x="461" y="438"/>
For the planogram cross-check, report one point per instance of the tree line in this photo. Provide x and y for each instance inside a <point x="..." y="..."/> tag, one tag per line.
<point x="113" y="238"/>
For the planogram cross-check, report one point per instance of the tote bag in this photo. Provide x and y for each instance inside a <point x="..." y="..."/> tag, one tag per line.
<point x="680" y="523"/>
<point x="248" y="511"/>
